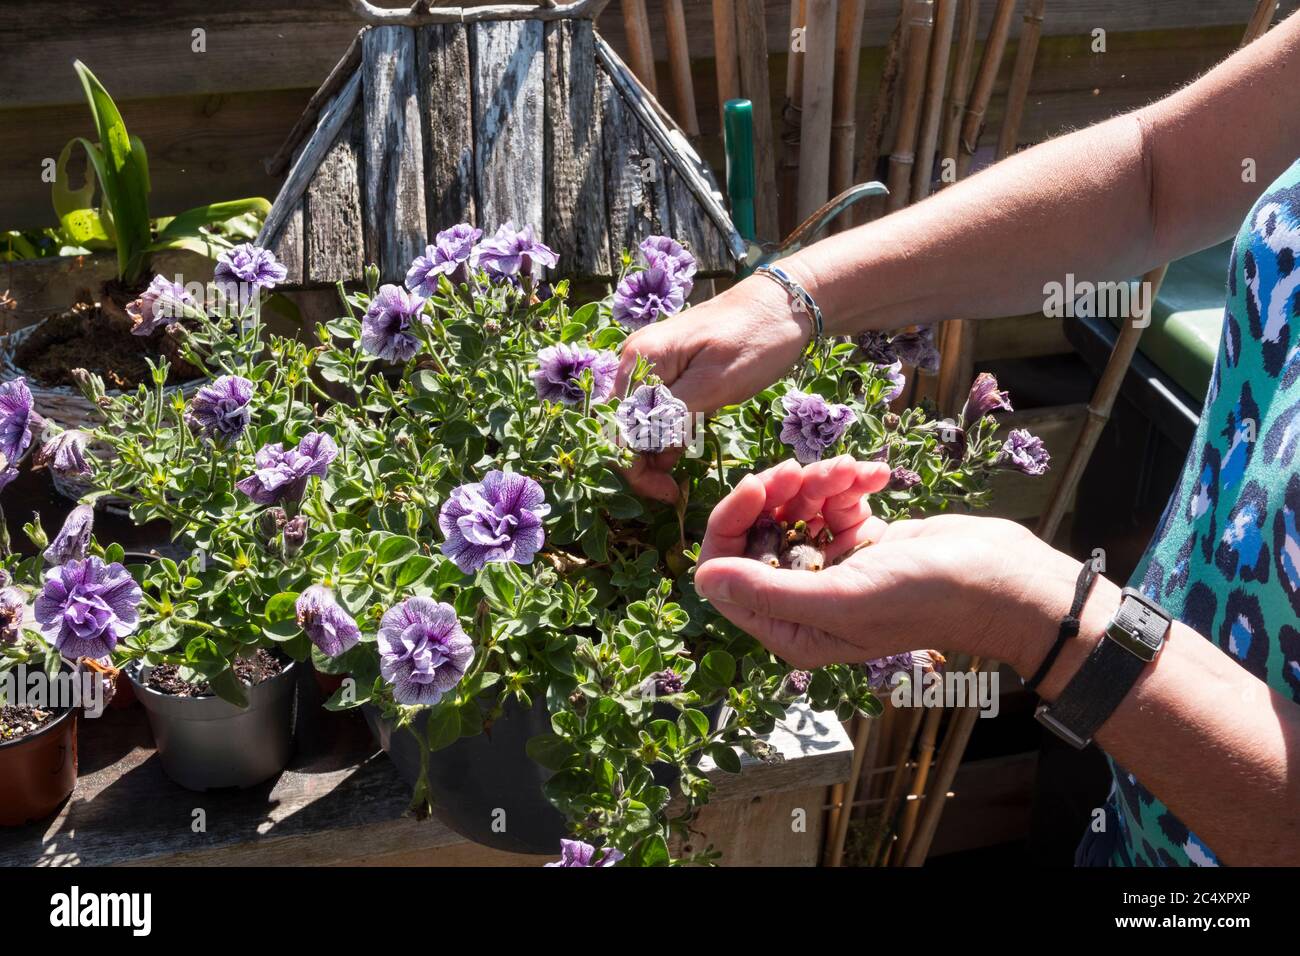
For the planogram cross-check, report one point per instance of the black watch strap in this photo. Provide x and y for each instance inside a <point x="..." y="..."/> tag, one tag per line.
<point x="1132" y="641"/>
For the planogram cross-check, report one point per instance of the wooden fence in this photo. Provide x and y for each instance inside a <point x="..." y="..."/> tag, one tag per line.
<point x="212" y="89"/>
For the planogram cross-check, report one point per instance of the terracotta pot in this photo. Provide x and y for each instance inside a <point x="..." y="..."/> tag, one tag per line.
<point x="38" y="771"/>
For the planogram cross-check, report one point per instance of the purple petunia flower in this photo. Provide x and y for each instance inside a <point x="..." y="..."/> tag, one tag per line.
<point x="497" y="519"/>
<point x="161" y="304"/>
<point x="643" y="297"/>
<point x="667" y="253"/>
<point x="324" y="622"/>
<point x="900" y="479"/>
<point x="87" y="606"/>
<point x="423" y="651"/>
<point x="881" y="673"/>
<point x="65" y="454"/>
<point x="249" y="265"/>
<point x="448" y="256"/>
<point x="514" y="253"/>
<point x="577" y="853"/>
<point x="795" y="684"/>
<point x="897" y="381"/>
<point x="221" y="410"/>
<point x="651" y="419"/>
<point x="559" y="375"/>
<point x="13" y="608"/>
<point x="984" y="397"/>
<point x="17" y="420"/>
<point x="917" y="348"/>
<point x="281" y="475"/>
<point x="812" y="424"/>
<point x="72" y="543"/>
<point x="1024" y="452"/>
<point x="386" y="326"/>
<point x="668" y="682"/>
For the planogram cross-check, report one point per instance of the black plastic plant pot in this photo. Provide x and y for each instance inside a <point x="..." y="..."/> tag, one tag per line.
<point x="206" y="743"/>
<point x="38" y="771"/>
<point x="487" y="788"/>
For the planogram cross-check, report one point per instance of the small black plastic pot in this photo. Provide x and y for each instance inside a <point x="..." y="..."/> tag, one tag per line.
<point x="487" y="788"/>
<point x="206" y="743"/>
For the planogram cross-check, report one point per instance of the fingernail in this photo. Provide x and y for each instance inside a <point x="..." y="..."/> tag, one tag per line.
<point x="720" y="591"/>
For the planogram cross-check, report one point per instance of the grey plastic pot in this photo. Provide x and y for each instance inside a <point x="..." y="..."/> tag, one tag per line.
<point x="487" y="788"/>
<point x="206" y="743"/>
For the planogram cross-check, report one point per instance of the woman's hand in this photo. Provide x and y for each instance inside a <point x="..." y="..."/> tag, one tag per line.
<point x="719" y="353"/>
<point x="976" y="585"/>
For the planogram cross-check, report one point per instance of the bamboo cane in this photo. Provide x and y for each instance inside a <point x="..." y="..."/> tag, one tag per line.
<point x="679" y="65"/>
<point x="945" y="20"/>
<point x="878" y="841"/>
<point x="924" y="758"/>
<point x="990" y="64"/>
<point x="751" y="39"/>
<point x="724" y="54"/>
<point x="967" y="35"/>
<point x="954" y="746"/>
<point x="860" y="738"/>
<point x="1260" y="20"/>
<point x="640" y="47"/>
<point x="791" y="118"/>
<point x="848" y="42"/>
<point x="881" y="111"/>
<point x="903" y="156"/>
<point x="818" y="104"/>
<point x="1022" y="72"/>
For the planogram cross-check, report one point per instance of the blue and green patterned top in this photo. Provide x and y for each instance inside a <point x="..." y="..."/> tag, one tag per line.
<point x="1225" y="559"/>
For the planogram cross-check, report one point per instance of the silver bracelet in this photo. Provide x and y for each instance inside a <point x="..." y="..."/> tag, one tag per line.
<point x="801" y="300"/>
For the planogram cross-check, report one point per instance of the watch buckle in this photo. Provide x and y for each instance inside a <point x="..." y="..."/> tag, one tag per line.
<point x="1130" y="642"/>
<point x="1044" y="716"/>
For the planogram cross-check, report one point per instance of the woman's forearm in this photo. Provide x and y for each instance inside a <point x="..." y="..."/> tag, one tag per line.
<point x="986" y="247"/>
<point x="1212" y="741"/>
<point x="1105" y="203"/>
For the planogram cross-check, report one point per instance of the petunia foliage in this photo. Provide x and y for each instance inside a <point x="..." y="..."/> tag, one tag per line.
<point x="426" y="497"/>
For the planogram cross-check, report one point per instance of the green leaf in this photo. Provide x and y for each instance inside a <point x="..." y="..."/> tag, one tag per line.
<point x="282" y="606"/>
<point x="413" y="569"/>
<point x="698" y="720"/>
<point x="444" y="726"/>
<point x="725" y="757"/>
<point x="188" y="223"/>
<point x="550" y="751"/>
<point x="652" y="851"/>
<point x="395" y="550"/>
<point x="719" y="668"/>
<point x="229" y="687"/>
<point x="124" y="176"/>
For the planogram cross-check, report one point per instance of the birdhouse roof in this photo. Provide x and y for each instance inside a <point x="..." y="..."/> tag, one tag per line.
<point x="534" y="121"/>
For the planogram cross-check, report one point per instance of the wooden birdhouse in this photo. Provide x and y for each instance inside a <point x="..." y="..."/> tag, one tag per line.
<point x="487" y="115"/>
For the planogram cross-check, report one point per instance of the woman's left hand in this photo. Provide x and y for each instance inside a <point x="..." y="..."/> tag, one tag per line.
<point x="976" y="585"/>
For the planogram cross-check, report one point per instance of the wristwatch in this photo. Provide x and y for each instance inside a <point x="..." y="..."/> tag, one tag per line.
<point x="1132" y="641"/>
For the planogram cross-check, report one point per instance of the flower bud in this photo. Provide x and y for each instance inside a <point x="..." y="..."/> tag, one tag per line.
<point x="891" y="421"/>
<point x="372" y="277"/>
<point x="794" y="685"/>
<point x="900" y="479"/>
<point x="270" y="523"/>
<point x="294" y="536"/>
<point x="90" y="386"/>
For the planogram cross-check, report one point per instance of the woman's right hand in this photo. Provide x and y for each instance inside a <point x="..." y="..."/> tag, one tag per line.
<point x="720" y="353"/>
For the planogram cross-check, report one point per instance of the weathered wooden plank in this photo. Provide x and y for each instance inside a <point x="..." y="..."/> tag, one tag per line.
<point x="333" y="119"/>
<point x="335" y="246"/>
<point x="508" y="67"/>
<point x="393" y="207"/>
<point x="449" y="139"/>
<point x="325" y="93"/>
<point x="692" y="227"/>
<point x="653" y="216"/>
<point x="288" y="246"/>
<point x="576" y="227"/>
<point x="619" y="140"/>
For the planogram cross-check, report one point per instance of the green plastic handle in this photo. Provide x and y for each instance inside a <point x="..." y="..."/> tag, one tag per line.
<point x="738" y="142"/>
